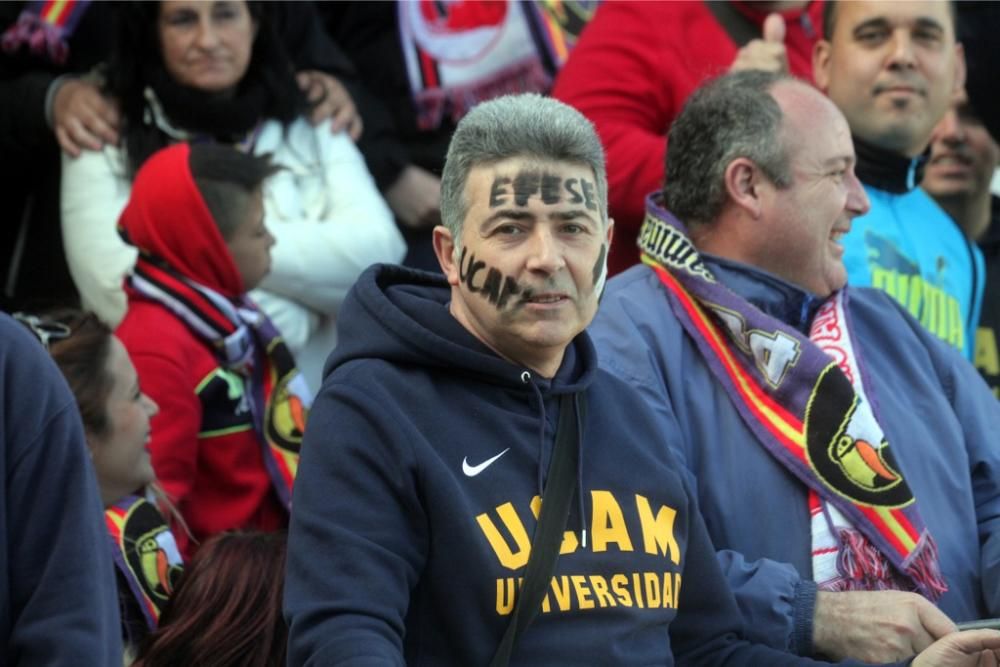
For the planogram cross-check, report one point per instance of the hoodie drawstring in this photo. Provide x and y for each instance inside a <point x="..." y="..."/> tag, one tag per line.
<point x="579" y="471"/>
<point x="526" y="379"/>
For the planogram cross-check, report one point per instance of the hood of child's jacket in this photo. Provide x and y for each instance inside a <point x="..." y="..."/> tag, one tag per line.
<point x="167" y="219"/>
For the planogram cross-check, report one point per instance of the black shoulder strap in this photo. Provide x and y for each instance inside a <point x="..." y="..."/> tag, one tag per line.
<point x="739" y="28"/>
<point x="547" y="539"/>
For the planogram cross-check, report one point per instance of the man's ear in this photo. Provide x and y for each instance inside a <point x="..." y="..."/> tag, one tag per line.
<point x="821" y="64"/>
<point x="609" y="234"/>
<point x="444" y="248"/>
<point x="742" y="180"/>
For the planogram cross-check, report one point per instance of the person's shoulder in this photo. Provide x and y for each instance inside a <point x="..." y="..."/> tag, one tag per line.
<point x="879" y="316"/>
<point x="636" y="281"/>
<point x="32" y="390"/>
<point x="150" y="329"/>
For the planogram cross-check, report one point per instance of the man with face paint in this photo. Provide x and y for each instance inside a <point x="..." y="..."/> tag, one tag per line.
<point x="838" y="448"/>
<point x="429" y="452"/>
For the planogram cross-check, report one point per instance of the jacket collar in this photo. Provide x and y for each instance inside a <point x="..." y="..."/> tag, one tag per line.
<point x="886" y="170"/>
<point x="770" y="294"/>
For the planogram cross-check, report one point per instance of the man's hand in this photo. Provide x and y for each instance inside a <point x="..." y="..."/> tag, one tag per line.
<point x="876" y="626"/>
<point x="766" y="54"/>
<point x="82" y="117"/>
<point x="973" y="648"/>
<point x="415" y="198"/>
<point x="332" y="101"/>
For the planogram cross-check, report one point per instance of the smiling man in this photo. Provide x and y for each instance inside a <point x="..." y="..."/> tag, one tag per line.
<point x="836" y="447"/>
<point x="893" y="69"/>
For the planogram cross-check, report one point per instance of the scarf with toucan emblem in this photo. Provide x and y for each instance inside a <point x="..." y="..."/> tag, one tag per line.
<point x="145" y="553"/>
<point x="807" y="401"/>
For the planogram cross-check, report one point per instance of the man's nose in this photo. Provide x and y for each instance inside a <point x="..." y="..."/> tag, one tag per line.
<point x="949" y="129"/>
<point x="857" y="198"/>
<point x="901" y="53"/>
<point x="546" y="251"/>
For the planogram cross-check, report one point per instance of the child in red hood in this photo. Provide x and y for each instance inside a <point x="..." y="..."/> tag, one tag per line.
<point x="232" y="403"/>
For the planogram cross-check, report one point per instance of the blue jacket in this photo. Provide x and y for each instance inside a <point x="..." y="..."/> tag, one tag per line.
<point x="907" y="246"/>
<point x="936" y="411"/>
<point x="58" y="601"/>
<point x="414" y="506"/>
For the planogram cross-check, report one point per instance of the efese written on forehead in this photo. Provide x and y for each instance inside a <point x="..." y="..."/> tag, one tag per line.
<point x="550" y="187"/>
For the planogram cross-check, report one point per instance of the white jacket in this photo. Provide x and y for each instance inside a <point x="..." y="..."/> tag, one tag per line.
<point x="323" y="208"/>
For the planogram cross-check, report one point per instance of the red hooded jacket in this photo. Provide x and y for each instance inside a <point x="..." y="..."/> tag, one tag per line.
<point x="204" y="449"/>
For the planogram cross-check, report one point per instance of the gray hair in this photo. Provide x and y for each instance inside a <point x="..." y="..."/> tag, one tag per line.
<point x="522" y="126"/>
<point x="730" y="117"/>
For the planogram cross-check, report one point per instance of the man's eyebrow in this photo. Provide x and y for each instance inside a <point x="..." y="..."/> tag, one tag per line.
<point x="838" y="160"/>
<point x="927" y="23"/>
<point x="506" y="214"/>
<point x="572" y="215"/>
<point x="876" y="22"/>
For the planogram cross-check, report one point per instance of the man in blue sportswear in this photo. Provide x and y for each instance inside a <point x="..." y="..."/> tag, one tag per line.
<point x="429" y="446"/>
<point x="844" y="459"/>
<point x="893" y="69"/>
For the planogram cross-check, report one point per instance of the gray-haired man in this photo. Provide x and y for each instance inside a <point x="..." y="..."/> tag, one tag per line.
<point x="454" y="405"/>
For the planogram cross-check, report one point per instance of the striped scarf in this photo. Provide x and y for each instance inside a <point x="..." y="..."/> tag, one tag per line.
<point x="45" y="27"/>
<point x="809" y="404"/>
<point x="247" y="343"/>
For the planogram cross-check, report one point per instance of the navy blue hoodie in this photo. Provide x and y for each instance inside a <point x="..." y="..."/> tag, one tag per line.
<point x="417" y="497"/>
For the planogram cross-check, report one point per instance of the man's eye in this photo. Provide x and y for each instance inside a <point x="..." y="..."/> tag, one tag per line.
<point x="872" y="36"/>
<point x="508" y="229"/>
<point x="927" y="36"/>
<point x="573" y="228"/>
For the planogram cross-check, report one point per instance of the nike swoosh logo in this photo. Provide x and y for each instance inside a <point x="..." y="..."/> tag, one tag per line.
<point x="472" y="471"/>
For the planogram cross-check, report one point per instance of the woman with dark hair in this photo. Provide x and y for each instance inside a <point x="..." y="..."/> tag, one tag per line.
<point x="226" y="611"/>
<point x="184" y="70"/>
<point x="116" y="414"/>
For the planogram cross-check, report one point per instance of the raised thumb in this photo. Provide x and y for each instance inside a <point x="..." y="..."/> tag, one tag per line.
<point x="774" y="28"/>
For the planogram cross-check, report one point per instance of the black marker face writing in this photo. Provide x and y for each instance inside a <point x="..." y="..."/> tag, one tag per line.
<point x="598" y="271"/>
<point x="547" y="186"/>
<point x="495" y="287"/>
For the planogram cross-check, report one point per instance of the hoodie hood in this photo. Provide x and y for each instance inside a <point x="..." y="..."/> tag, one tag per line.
<point x="401" y="316"/>
<point x="167" y="219"/>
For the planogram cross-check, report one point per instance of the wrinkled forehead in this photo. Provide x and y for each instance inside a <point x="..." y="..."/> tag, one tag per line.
<point x="523" y="182"/>
<point x="851" y="15"/>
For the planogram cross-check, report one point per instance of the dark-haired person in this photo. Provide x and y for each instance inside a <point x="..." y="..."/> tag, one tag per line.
<point x="116" y="415"/>
<point x="844" y="458"/>
<point x="962" y="162"/>
<point x="184" y="70"/>
<point x="894" y="69"/>
<point x="232" y="402"/>
<point x="57" y="585"/>
<point x="226" y="611"/>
